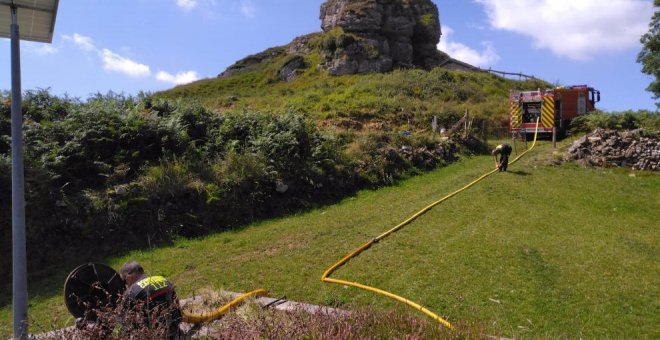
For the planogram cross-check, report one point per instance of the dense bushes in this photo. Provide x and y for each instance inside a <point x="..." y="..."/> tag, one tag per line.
<point x="116" y="172"/>
<point x="627" y="120"/>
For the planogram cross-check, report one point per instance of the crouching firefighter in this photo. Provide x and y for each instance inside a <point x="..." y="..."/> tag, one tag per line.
<point x="149" y="303"/>
<point x="503" y="150"/>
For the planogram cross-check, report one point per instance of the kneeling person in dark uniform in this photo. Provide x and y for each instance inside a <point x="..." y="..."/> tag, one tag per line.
<point x="154" y="297"/>
<point x="504" y="150"/>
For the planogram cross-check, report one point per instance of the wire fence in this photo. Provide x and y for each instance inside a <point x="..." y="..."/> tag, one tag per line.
<point x="478" y="127"/>
<point x="505" y="74"/>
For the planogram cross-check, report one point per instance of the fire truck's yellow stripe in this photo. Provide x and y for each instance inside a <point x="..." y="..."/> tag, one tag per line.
<point x="548" y="112"/>
<point x="516" y="115"/>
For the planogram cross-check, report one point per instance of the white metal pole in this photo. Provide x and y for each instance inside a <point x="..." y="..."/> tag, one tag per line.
<point x="19" y="258"/>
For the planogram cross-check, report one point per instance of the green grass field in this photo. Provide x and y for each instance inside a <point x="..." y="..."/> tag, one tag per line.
<point x="539" y="251"/>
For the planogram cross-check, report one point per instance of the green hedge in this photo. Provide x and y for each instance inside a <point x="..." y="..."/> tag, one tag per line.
<point x="115" y="172"/>
<point x="626" y="120"/>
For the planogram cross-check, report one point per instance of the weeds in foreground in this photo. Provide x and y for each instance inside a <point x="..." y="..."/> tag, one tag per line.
<point x="254" y="322"/>
<point x="130" y="319"/>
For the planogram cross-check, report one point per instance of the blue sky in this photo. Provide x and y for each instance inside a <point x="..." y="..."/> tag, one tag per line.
<point x="151" y="45"/>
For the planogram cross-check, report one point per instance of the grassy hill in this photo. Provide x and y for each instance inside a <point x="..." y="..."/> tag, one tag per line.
<point x="540" y="251"/>
<point x="401" y="99"/>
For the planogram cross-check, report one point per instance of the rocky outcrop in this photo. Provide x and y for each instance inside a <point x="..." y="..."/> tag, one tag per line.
<point x="360" y="37"/>
<point x="251" y="62"/>
<point x="636" y="149"/>
<point x="291" y="68"/>
<point x="379" y="35"/>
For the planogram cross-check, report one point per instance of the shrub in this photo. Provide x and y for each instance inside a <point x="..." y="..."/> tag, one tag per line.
<point x="5" y="128"/>
<point x="626" y="120"/>
<point x="115" y="173"/>
<point x="5" y="217"/>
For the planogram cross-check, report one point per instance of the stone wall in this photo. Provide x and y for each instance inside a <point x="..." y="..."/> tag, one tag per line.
<point x="636" y="149"/>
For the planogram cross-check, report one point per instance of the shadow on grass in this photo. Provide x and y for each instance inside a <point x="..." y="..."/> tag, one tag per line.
<point x="48" y="279"/>
<point x="520" y="173"/>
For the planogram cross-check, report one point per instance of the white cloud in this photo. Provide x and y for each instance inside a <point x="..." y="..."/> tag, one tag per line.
<point x="186" y="5"/>
<point x="41" y="48"/>
<point x="465" y="53"/>
<point x="111" y="60"/>
<point x="115" y="62"/>
<point x="576" y="29"/>
<point x="81" y="41"/>
<point x="179" y="78"/>
<point x="247" y="8"/>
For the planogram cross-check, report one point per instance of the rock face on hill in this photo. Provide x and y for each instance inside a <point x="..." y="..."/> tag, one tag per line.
<point x="363" y="36"/>
<point x="635" y="149"/>
<point x="381" y="35"/>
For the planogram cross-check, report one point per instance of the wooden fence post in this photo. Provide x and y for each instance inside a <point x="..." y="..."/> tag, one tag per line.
<point x="465" y="135"/>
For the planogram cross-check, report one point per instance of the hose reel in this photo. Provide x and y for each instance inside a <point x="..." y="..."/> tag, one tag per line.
<point x="95" y="287"/>
<point x="90" y="288"/>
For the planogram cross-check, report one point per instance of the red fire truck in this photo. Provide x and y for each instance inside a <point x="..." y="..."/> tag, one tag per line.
<point x="555" y="107"/>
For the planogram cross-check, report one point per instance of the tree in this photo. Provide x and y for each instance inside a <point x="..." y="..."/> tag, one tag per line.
<point x="649" y="56"/>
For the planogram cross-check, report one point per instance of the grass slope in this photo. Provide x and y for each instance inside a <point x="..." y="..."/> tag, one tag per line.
<point x="399" y="98"/>
<point x="540" y="251"/>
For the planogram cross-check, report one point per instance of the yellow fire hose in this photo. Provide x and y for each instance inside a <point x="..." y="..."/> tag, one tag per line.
<point x="432" y="315"/>
<point x="190" y="317"/>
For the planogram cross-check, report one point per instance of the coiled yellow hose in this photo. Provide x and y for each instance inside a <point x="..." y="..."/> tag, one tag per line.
<point x="190" y="317"/>
<point x="326" y="275"/>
